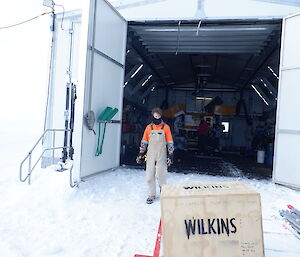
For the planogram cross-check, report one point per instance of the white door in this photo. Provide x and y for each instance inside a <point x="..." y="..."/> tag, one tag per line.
<point x="103" y="50"/>
<point x="287" y="141"/>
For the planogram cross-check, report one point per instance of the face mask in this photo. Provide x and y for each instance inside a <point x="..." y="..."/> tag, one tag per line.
<point x="156" y="121"/>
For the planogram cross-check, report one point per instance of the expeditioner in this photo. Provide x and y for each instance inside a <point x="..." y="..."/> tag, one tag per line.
<point x="158" y="143"/>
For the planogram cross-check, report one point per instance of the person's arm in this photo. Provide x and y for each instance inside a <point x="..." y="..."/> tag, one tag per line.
<point x="145" y="140"/>
<point x="143" y="146"/>
<point x="169" y="139"/>
<point x="170" y="145"/>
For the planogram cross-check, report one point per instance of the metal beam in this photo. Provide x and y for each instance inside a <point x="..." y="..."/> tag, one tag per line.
<point x="205" y="47"/>
<point x="207" y="27"/>
<point x="147" y="92"/>
<point x="205" y="34"/>
<point x="245" y="38"/>
<point x="205" y="51"/>
<point x="242" y="71"/>
<point x="141" y="51"/>
<point x="204" y="43"/>
<point x="224" y="90"/>
<point x="216" y="65"/>
<point x="203" y="66"/>
<point x="269" y="86"/>
<point x="139" y="85"/>
<point x="119" y="5"/>
<point x="267" y="56"/>
<point x="165" y="67"/>
<point x="194" y="71"/>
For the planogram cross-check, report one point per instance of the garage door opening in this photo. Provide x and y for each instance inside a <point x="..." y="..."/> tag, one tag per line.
<point x="225" y="72"/>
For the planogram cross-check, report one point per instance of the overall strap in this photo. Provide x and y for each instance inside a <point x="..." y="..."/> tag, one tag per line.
<point x="151" y="126"/>
<point x="163" y="126"/>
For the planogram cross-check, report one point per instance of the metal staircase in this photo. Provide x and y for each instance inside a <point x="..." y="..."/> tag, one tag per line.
<point x="28" y="158"/>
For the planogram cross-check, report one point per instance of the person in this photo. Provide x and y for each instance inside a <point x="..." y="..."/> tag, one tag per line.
<point x="217" y="134"/>
<point x="157" y="143"/>
<point x="202" y="136"/>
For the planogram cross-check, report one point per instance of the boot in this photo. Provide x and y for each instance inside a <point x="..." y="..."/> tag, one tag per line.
<point x="150" y="199"/>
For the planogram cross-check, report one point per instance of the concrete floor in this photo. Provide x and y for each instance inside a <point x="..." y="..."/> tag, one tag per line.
<point x="221" y="164"/>
<point x="231" y="165"/>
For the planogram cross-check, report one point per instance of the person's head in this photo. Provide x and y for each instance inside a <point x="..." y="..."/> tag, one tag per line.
<point x="156" y="113"/>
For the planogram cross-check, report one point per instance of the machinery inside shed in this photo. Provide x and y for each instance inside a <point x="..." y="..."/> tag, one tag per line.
<point x="222" y="71"/>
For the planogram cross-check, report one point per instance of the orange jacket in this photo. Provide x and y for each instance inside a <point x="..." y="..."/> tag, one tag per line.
<point x="167" y="131"/>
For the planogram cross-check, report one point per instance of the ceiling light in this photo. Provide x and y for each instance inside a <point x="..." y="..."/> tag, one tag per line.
<point x="273" y="72"/>
<point x="266" y="86"/>
<point x="144" y="83"/>
<point x="137" y="70"/>
<point x="260" y="95"/>
<point x="203" y="98"/>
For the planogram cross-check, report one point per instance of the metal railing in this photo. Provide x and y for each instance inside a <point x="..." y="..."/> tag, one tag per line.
<point x="29" y="155"/>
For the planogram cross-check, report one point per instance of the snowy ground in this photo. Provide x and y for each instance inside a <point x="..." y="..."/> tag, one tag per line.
<point x="107" y="216"/>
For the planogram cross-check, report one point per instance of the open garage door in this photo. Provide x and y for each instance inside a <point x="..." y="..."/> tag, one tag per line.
<point x="103" y="53"/>
<point x="287" y="142"/>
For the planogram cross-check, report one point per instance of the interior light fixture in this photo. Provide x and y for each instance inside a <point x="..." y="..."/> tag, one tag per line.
<point x="260" y="95"/>
<point x="203" y="98"/>
<point x="144" y="83"/>
<point x="128" y="51"/>
<point x="273" y="72"/>
<point x="137" y="70"/>
<point x="265" y="85"/>
<point x="152" y="89"/>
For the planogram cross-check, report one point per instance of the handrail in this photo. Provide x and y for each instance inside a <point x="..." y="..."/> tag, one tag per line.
<point x="29" y="155"/>
<point x="108" y="121"/>
<point x="72" y="184"/>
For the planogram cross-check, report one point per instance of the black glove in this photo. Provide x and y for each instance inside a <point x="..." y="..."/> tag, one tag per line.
<point x="139" y="158"/>
<point x="170" y="159"/>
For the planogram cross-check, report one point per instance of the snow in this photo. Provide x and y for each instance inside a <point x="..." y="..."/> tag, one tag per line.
<point x="107" y="215"/>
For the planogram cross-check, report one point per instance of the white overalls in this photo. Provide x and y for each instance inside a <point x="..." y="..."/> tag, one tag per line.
<point x="156" y="165"/>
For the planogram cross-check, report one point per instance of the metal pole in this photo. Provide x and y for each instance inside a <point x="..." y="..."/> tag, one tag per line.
<point x="73" y="98"/>
<point x="65" y="154"/>
<point x="53" y="145"/>
<point x="29" y="169"/>
<point x="52" y="28"/>
<point x="92" y="55"/>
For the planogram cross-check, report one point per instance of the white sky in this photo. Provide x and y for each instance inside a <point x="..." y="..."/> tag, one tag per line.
<point x="24" y="52"/>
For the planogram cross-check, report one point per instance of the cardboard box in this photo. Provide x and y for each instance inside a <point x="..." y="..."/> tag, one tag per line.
<point x="173" y="110"/>
<point x="211" y="220"/>
<point x="224" y="110"/>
